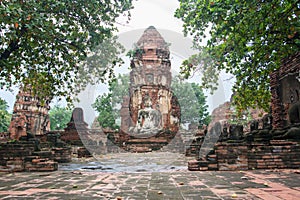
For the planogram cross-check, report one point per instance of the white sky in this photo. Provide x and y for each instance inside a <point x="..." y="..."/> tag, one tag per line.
<point x="159" y="14"/>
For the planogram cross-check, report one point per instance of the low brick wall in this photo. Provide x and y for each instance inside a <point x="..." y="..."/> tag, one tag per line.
<point x="82" y="152"/>
<point x="35" y="163"/>
<point x="232" y="156"/>
<point x="279" y="154"/>
<point x="62" y="154"/>
<point x="23" y="156"/>
<point x="253" y="155"/>
<point x="12" y="155"/>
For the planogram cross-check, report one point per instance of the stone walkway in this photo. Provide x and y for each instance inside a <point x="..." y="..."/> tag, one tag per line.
<point x="171" y="182"/>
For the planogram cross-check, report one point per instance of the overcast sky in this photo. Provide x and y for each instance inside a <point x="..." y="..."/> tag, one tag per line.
<point x="157" y="13"/>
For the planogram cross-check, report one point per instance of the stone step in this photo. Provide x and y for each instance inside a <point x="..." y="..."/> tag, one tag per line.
<point x="43" y="166"/>
<point x="147" y="141"/>
<point x="43" y="154"/>
<point x="38" y="164"/>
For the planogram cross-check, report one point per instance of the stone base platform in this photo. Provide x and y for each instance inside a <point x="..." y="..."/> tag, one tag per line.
<point x="141" y="144"/>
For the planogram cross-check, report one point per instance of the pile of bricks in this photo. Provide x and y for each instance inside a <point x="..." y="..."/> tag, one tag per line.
<point x="35" y="163"/>
<point x="82" y="152"/>
<point x="21" y="156"/>
<point x="194" y="165"/>
<point x="210" y="164"/>
<point x="62" y="154"/>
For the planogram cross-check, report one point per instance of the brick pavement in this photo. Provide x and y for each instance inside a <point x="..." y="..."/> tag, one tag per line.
<point x="153" y="185"/>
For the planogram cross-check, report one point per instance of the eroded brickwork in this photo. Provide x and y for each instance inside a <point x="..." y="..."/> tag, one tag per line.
<point x="30" y="115"/>
<point x="150" y="115"/>
<point x="150" y="81"/>
<point x="274" y="154"/>
<point x="74" y="128"/>
<point x="285" y="90"/>
<point x="23" y="156"/>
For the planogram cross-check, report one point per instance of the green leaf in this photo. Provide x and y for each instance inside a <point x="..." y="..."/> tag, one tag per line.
<point x="248" y="39"/>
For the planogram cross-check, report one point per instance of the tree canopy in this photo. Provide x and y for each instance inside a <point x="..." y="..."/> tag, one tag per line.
<point x="59" y="117"/>
<point x="119" y="88"/>
<point x="57" y="43"/>
<point x="192" y="102"/>
<point x="103" y="105"/>
<point x="248" y="39"/>
<point x="5" y="117"/>
<point x="108" y="105"/>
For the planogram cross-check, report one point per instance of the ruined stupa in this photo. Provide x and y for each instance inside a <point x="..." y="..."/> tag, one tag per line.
<point x="151" y="107"/>
<point x="30" y="115"/>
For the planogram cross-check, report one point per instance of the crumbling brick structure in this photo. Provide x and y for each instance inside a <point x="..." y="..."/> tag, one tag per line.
<point x="150" y="114"/>
<point x="266" y="146"/>
<point x="285" y="90"/>
<point x="150" y="81"/>
<point x="76" y="126"/>
<point x="30" y="115"/>
<point x="247" y="156"/>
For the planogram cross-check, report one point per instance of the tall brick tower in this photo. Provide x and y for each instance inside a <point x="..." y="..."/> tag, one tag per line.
<point x="152" y="105"/>
<point x="29" y="115"/>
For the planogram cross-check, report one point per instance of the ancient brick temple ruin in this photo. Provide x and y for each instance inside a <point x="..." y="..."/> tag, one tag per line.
<point x="30" y="147"/>
<point x="150" y="83"/>
<point x="151" y="109"/>
<point x="29" y="115"/>
<point x="285" y="89"/>
<point x="272" y="141"/>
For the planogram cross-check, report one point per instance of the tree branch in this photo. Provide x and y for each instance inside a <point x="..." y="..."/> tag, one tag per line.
<point x="13" y="46"/>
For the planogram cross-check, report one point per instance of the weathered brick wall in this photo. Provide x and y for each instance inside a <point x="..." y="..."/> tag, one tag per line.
<point x="135" y="144"/>
<point x="254" y="155"/>
<point x="21" y="156"/>
<point x="62" y="154"/>
<point x="279" y="154"/>
<point x="280" y="101"/>
<point x="232" y="156"/>
<point x="71" y="136"/>
<point x="29" y="115"/>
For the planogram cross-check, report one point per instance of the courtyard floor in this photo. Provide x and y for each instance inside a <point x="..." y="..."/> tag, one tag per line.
<point x="148" y="176"/>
